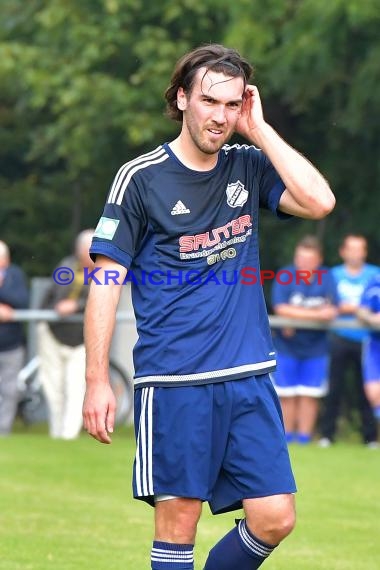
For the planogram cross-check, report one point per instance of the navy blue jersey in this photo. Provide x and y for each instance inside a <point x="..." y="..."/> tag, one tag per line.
<point x="371" y="300"/>
<point x="307" y="293"/>
<point x="190" y="242"/>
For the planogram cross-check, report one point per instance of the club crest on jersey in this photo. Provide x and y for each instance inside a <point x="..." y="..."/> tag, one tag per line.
<point x="237" y="195"/>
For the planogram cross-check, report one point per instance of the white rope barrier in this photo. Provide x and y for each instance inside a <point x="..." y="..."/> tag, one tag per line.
<point x="30" y="315"/>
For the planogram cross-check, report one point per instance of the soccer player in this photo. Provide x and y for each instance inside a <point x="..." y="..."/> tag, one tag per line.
<point x="183" y="219"/>
<point x="305" y="291"/>
<point x="369" y="313"/>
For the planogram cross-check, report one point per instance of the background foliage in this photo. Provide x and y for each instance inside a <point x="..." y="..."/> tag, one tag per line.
<point x="82" y="86"/>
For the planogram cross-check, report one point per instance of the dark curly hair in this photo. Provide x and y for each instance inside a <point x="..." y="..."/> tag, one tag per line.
<point x="213" y="57"/>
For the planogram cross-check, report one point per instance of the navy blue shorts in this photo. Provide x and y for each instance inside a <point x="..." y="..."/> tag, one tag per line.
<point x="220" y="443"/>
<point x="371" y="360"/>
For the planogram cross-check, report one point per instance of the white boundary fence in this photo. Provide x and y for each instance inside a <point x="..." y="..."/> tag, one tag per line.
<point x="125" y="335"/>
<point x="30" y="315"/>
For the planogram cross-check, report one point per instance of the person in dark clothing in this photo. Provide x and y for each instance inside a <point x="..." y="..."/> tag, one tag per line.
<point x="13" y="295"/>
<point x="351" y="278"/>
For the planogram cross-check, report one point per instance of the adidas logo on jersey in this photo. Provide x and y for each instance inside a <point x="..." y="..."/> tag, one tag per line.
<point x="180" y="208"/>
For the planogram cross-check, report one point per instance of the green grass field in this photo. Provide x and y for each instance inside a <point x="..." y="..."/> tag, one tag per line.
<point x="68" y="506"/>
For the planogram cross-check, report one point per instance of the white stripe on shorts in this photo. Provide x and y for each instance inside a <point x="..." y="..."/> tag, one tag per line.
<point x="144" y="467"/>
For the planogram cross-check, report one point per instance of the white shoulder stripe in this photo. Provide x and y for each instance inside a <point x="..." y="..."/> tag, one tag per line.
<point x="124" y="168"/>
<point x="128" y="170"/>
<point x="133" y="171"/>
<point x="238" y="146"/>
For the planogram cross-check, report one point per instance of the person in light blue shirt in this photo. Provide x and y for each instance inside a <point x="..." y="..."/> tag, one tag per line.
<point x="369" y="313"/>
<point x="346" y="345"/>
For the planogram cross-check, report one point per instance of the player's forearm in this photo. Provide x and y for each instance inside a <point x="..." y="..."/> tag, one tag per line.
<point x="368" y="318"/>
<point x="99" y="324"/>
<point x="308" y="189"/>
<point x="292" y="312"/>
<point x="348" y="309"/>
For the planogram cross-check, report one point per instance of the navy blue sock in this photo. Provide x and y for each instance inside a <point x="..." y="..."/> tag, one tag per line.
<point x="165" y="556"/>
<point x="239" y="549"/>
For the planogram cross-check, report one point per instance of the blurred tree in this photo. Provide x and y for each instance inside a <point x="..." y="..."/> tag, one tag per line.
<point x="82" y="93"/>
<point x="317" y="64"/>
<point x="82" y="86"/>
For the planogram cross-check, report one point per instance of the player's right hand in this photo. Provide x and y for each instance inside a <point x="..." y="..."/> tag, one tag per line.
<point x="99" y="411"/>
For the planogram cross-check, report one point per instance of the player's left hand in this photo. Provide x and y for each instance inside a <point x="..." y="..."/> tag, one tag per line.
<point x="251" y="114"/>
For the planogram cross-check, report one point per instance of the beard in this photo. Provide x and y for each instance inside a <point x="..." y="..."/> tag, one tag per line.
<point x="203" y="139"/>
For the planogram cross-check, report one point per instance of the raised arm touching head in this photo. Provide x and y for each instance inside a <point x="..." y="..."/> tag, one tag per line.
<point x="307" y="194"/>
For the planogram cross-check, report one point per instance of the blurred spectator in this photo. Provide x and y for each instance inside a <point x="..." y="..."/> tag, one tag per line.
<point x="13" y="295"/>
<point x="369" y="313"/>
<point x="346" y="344"/>
<point x="304" y="291"/>
<point x="61" y="345"/>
